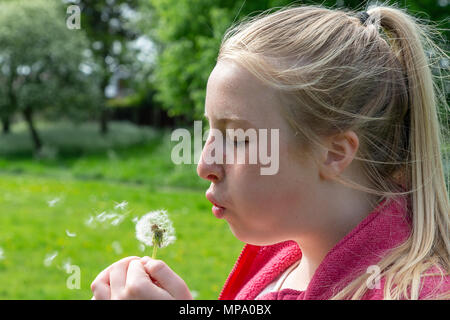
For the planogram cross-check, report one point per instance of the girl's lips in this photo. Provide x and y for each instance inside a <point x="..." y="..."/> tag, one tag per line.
<point x="217" y="209"/>
<point x="213" y="200"/>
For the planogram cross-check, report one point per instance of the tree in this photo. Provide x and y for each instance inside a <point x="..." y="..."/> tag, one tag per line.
<point x="188" y="35"/>
<point x="107" y="26"/>
<point x="44" y="67"/>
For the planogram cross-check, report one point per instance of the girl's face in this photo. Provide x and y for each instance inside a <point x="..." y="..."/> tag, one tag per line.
<point x="260" y="209"/>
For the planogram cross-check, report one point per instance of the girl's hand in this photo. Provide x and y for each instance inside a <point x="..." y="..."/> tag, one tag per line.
<point x="139" y="278"/>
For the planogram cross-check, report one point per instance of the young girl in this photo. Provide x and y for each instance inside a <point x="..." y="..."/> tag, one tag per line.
<point x="359" y="208"/>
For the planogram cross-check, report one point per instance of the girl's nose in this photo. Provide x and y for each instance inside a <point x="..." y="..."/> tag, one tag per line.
<point x="213" y="172"/>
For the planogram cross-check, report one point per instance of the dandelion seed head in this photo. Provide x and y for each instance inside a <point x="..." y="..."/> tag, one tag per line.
<point x="145" y="228"/>
<point x="2" y="254"/>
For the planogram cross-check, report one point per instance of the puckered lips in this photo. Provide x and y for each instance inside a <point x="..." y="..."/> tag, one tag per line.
<point x="218" y="209"/>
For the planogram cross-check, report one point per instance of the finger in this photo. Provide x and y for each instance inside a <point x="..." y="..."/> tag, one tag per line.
<point x="136" y="273"/>
<point x="117" y="275"/>
<point x="144" y="260"/>
<point x="100" y="286"/>
<point x="104" y="275"/>
<point x="168" y="279"/>
<point x="101" y="291"/>
<point x="139" y="285"/>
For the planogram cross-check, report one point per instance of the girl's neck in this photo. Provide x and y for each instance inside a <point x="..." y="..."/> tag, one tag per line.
<point x="315" y="246"/>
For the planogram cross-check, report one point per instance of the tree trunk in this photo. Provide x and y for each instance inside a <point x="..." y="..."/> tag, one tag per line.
<point x="6" y="125"/>
<point x="37" y="143"/>
<point x="104" y="128"/>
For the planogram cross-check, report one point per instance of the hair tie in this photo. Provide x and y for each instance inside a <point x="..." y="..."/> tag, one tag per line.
<point x="363" y="16"/>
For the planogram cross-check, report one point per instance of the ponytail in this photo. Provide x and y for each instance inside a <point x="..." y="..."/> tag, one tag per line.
<point x="429" y="243"/>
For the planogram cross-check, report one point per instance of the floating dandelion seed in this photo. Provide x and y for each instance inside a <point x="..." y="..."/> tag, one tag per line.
<point x="121" y="205"/>
<point x="49" y="258"/>
<point x="117" y="219"/>
<point x="52" y="202"/>
<point x="101" y="217"/>
<point x="104" y="219"/>
<point x="155" y="229"/>
<point x="70" y="234"/>
<point x="2" y="254"/>
<point x="117" y="247"/>
<point x="194" y="294"/>
<point x="89" y="222"/>
<point x="66" y="265"/>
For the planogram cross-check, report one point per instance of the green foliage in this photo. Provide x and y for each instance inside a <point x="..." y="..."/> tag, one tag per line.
<point x="41" y="61"/>
<point x="188" y="34"/>
<point x="121" y="102"/>
<point x="108" y="29"/>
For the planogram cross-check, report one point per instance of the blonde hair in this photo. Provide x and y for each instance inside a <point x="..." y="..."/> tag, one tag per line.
<point x="334" y="74"/>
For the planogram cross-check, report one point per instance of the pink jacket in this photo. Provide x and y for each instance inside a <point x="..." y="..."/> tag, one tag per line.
<point x="384" y="228"/>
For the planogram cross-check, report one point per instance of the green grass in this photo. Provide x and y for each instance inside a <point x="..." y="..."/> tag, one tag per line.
<point x="141" y="174"/>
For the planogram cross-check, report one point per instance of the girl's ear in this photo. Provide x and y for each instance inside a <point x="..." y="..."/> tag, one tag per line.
<point x="339" y="153"/>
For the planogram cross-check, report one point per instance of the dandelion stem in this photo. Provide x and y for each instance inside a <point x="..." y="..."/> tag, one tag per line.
<point x="154" y="252"/>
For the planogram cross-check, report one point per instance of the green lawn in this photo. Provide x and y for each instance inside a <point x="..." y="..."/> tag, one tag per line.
<point x="86" y="184"/>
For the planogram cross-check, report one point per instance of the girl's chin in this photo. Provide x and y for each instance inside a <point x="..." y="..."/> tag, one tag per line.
<point x="246" y="237"/>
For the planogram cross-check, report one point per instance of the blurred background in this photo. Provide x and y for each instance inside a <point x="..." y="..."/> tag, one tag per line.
<point x="90" y="92"/>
